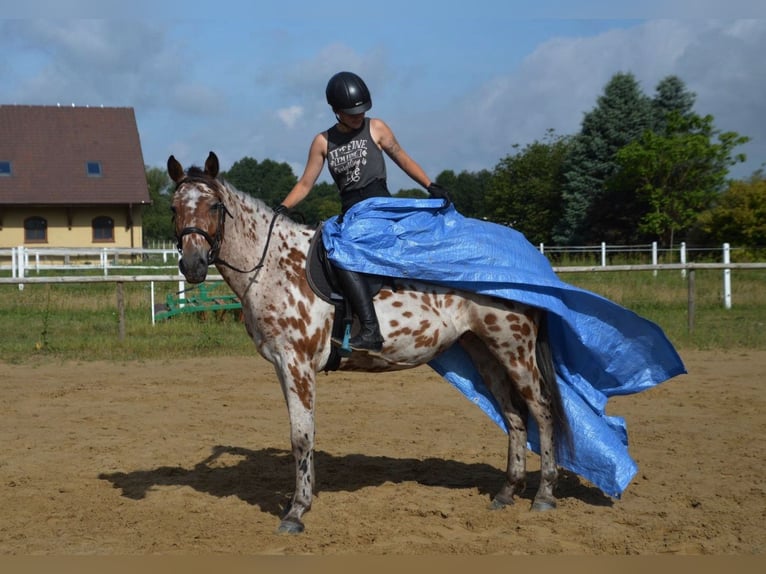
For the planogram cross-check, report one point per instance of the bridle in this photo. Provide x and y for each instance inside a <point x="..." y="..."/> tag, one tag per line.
<point x="215" y="241"/>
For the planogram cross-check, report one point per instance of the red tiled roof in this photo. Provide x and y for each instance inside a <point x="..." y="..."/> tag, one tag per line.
<point x="49" y="147"/>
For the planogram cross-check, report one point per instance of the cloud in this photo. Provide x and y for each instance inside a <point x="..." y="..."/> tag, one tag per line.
<point x="105" y="62"/>
<point x="87" y="61"/>
<point x="454" y="102"/>
<point x="560" y="81"/>
<point x="291" y="115"/>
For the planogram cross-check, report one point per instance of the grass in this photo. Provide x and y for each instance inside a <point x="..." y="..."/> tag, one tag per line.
<point x="80" y="321"/>
<point x="664" y="299"/>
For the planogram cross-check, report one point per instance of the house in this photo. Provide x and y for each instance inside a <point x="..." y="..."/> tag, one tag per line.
<point x="70" y="177"/>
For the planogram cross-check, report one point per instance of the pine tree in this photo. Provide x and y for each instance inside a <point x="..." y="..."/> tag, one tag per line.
<point x="622" y="114"/>
<point x="671" y="96"/>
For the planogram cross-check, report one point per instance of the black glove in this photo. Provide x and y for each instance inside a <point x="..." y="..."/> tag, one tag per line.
<point x="281" y="209"/>
<point x="438" y="192"/>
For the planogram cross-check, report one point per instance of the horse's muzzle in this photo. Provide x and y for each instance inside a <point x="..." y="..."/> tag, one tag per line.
<point x="193" y="267"/>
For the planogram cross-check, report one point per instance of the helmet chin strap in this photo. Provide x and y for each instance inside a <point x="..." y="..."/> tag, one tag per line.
<point x="344" y="124"/>
<point x="341" y="122"/>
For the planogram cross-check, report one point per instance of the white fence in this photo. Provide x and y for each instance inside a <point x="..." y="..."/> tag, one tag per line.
<point x="26" y="265"/>
<point x="23" y="260"/>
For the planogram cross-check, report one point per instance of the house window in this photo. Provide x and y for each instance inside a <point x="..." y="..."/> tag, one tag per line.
<point x="93" y="168"/>
<point x="35" y="230"/>
<point x="5" y="168"/>
<point x="103" y="229"/>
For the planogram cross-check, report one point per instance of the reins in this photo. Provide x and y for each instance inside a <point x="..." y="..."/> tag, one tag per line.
<point x="258" y="266"/>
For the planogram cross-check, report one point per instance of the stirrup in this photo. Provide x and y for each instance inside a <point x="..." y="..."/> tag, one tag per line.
<point x="344" y="346"/>
<point x="372" y="344"/>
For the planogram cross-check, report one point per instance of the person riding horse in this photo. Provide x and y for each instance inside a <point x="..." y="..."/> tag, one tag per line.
<point x="353" y="149"/>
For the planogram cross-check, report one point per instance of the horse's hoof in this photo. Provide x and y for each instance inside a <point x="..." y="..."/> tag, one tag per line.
<point x="290" y="527"/>
<point x="497" y="504"/>
<point x="543" y="505"/>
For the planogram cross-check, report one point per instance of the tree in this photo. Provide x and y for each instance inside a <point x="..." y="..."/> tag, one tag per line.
<point x="678" y="174"/>
<point x="525" y="189"/>
<point x="671" y="96"/>
<point x="739" y="215"/>
<point x="321" y="203"/>
<point x="622" y="114"/>
<point x="412" y="193"/>
<point x="157" y="221"/>
<point x="468" y="190"/>
<point x="267" y="180"/>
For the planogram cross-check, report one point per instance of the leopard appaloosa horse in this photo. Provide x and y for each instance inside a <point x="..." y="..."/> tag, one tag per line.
<point x="262" y="256"/>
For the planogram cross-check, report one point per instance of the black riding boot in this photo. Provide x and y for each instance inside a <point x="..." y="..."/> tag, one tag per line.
<point x="356" y="291"/>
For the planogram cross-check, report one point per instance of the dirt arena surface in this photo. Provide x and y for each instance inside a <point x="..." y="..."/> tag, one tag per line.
<point x="191" y="457"/>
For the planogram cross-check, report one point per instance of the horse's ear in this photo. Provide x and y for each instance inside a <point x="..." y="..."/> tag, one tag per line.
<point x="211" y="165"/>
<point x="175" y="171"/>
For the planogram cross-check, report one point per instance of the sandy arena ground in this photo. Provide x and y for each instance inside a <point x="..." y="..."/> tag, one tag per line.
<point x="192" y="457"/>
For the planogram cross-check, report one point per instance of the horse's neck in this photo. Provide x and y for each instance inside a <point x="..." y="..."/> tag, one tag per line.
<point x="250" y="239"/>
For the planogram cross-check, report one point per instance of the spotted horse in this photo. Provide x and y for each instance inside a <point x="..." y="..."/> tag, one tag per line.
<point x="262" y="256"/>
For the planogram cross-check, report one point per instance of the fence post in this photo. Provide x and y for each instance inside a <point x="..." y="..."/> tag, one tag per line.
<point x="603" y="254"/>
<point x="105" y="261"/>
<point x="181" y="293"/>
<point x="121" y="309"/>
<point x="20" y="269"/>
<point x="654" y="257"/>
<point x="726" y="277"/>
<point x="690" y="309"/>
<point x="151" y="283"/>
<point x="683" y="258"/>
<point x="542" y="249"/>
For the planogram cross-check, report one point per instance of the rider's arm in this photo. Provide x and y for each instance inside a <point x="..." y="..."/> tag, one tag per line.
<point x="386" y="139"/>
<point x="314" y="164"/>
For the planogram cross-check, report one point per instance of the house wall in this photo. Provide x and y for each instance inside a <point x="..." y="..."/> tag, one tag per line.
<point x="81" y="232"/>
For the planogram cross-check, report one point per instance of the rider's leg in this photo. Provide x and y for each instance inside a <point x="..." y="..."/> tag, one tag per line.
<point x="357" y="293"/>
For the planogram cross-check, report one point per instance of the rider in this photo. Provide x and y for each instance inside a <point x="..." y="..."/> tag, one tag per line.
<point x="352" y="148"/>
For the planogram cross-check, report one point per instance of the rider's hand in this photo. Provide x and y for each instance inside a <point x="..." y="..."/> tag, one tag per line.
<point x="281" y="209"/>
<point x="436" y="191"/>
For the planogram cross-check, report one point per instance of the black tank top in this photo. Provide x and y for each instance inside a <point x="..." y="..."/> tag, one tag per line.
<point x="354" y="159"/>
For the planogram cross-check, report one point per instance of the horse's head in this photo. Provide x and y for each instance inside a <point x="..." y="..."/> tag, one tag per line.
<point x="199" y="215"/>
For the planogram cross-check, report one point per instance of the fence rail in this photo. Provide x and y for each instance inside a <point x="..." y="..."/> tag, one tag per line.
<point x="687" y="268"/>
<point x="24" y="259"/>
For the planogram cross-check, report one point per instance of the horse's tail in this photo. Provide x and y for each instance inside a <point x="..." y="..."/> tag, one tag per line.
<point x="561" y="427"/>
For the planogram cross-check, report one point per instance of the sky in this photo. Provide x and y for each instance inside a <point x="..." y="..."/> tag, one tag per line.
<point x="459" y="83"/>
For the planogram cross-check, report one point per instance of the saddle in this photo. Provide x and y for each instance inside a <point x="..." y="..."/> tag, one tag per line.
<point x="323" y="280"/>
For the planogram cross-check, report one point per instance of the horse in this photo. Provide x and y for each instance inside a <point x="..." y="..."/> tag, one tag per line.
<point x="263" y="255"/>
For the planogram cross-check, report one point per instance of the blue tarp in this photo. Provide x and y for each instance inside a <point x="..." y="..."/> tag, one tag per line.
<point x="600" y="348"/>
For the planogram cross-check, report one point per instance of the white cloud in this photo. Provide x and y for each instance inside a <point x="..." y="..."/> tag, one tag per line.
<point x="561" y="80"/>
<point x="258" y="90"/>
<point x="290" y="115"/>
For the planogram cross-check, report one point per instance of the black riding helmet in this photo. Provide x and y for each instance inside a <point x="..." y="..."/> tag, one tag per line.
<point x="346" y="92"/>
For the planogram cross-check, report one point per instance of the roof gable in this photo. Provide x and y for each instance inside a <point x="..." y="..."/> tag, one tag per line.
<point x="49" y="148"/>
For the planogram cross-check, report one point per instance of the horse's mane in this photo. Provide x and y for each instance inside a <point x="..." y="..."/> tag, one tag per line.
<point x="226" y="187"/>
<point x="220" y="186"/>
<point x="197" y="174"/>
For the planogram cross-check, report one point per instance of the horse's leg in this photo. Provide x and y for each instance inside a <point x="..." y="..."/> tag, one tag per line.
<point x="512" y="341"/>
<point x="498" y="382"/>
<point x="530" y="384"/>
<point x="299" y="391"/>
